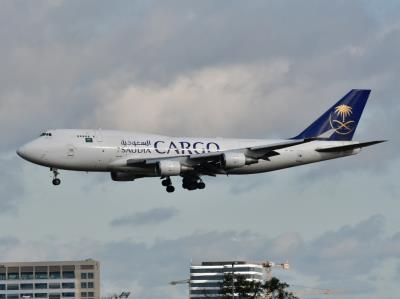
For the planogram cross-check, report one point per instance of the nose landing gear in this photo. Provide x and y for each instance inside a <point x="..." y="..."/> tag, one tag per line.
<point x="168" y="183"/>
<point x="56" y="181"/>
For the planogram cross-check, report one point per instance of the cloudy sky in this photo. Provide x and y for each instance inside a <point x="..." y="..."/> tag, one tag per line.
<point x="204" y="68"/>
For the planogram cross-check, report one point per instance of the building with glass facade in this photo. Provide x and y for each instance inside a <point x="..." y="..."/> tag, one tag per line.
<point x="206" y="277"/>
<point x="50" y="280"/>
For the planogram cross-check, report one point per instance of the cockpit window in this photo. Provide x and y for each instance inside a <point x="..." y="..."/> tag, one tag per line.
<point x="45" y="134"/>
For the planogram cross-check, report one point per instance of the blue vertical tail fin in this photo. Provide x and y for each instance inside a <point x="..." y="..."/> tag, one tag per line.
<point x="341" y="120"/>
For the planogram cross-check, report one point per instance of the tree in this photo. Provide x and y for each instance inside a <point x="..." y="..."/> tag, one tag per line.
<point x="276" y="289"/>
<point x="250" y="289"/>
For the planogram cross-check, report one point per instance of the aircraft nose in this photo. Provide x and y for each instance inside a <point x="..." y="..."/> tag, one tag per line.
<point x="31" y="152"/>
<point x="22" y="151"/>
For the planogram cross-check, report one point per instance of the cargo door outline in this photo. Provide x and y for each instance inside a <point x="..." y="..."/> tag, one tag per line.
<point x="71" y="151"/>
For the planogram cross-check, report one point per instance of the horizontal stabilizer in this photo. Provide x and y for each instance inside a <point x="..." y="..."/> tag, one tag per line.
<point x="348" y="147"/>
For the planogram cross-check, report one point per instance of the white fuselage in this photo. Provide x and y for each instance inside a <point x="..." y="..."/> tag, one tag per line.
<point x="106" y="150"/>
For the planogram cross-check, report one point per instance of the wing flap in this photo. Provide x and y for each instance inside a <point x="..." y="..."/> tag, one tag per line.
<point x="279" y="145"/>
<point x="267" y="151"/>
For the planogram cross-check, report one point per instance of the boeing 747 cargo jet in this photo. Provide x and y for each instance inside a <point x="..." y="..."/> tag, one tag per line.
<point x="129" y="156"/>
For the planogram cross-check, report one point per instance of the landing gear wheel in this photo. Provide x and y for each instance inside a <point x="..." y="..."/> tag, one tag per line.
<point x="192" y="183"/>
<point x="170" y="189"/>
<point x="56" y="182"/>
<point x="166" y="182"/>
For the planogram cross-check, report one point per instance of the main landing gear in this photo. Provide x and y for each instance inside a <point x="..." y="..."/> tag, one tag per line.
<point x="56" y="181"/>
<point x="193" y="183"/>
<point x="188" y="182"/>
<point x="168" y="184"/>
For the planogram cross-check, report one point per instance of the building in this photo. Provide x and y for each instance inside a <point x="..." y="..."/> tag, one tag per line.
<point x="51" y="280"/>
<point x="206" y="277"/>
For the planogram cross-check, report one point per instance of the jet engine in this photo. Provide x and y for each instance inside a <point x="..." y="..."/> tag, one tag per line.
<point x="122" y="176"/>
<point x="169" y="167"/>
<point x="236" y="160"/>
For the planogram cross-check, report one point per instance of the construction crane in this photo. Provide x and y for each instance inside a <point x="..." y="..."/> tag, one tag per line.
<point x="314" y="292"/>
<point x="175" y="282"/>
<point x="268" y="265"/>
<point x="123" y="295"/>
<point x="309" y="291"/>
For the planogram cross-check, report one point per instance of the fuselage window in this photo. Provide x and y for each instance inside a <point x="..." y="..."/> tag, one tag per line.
<point x="86" y="137"/>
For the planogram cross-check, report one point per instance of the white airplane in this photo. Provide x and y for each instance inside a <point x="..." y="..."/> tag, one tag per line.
<point x="129" y="156"/>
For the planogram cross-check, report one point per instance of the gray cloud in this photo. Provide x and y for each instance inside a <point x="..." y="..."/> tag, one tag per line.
<point x="151" y="217"/>
<point x="8" y="242"/>
<point x="350" y="251"/>
<point x="345" y="258"/>
<point x="73" y="61"/>
<point x="340" y="259"/>
<point x="11" y="184"/>
<point x="227" y="68"/>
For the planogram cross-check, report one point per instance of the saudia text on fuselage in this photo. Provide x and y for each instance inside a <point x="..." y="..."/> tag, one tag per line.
<point x="168" y="147"/>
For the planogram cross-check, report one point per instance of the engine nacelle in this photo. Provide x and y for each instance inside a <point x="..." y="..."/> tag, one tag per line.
<point x="169" y="167"/>
<point x="236" y="160"/>
<point x="122" y="176"/>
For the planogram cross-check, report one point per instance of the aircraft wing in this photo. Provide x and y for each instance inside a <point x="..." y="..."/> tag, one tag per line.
<point x="257" y="152"/>
<point x="264" y="152"/>
<point x="211" y="162"/>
